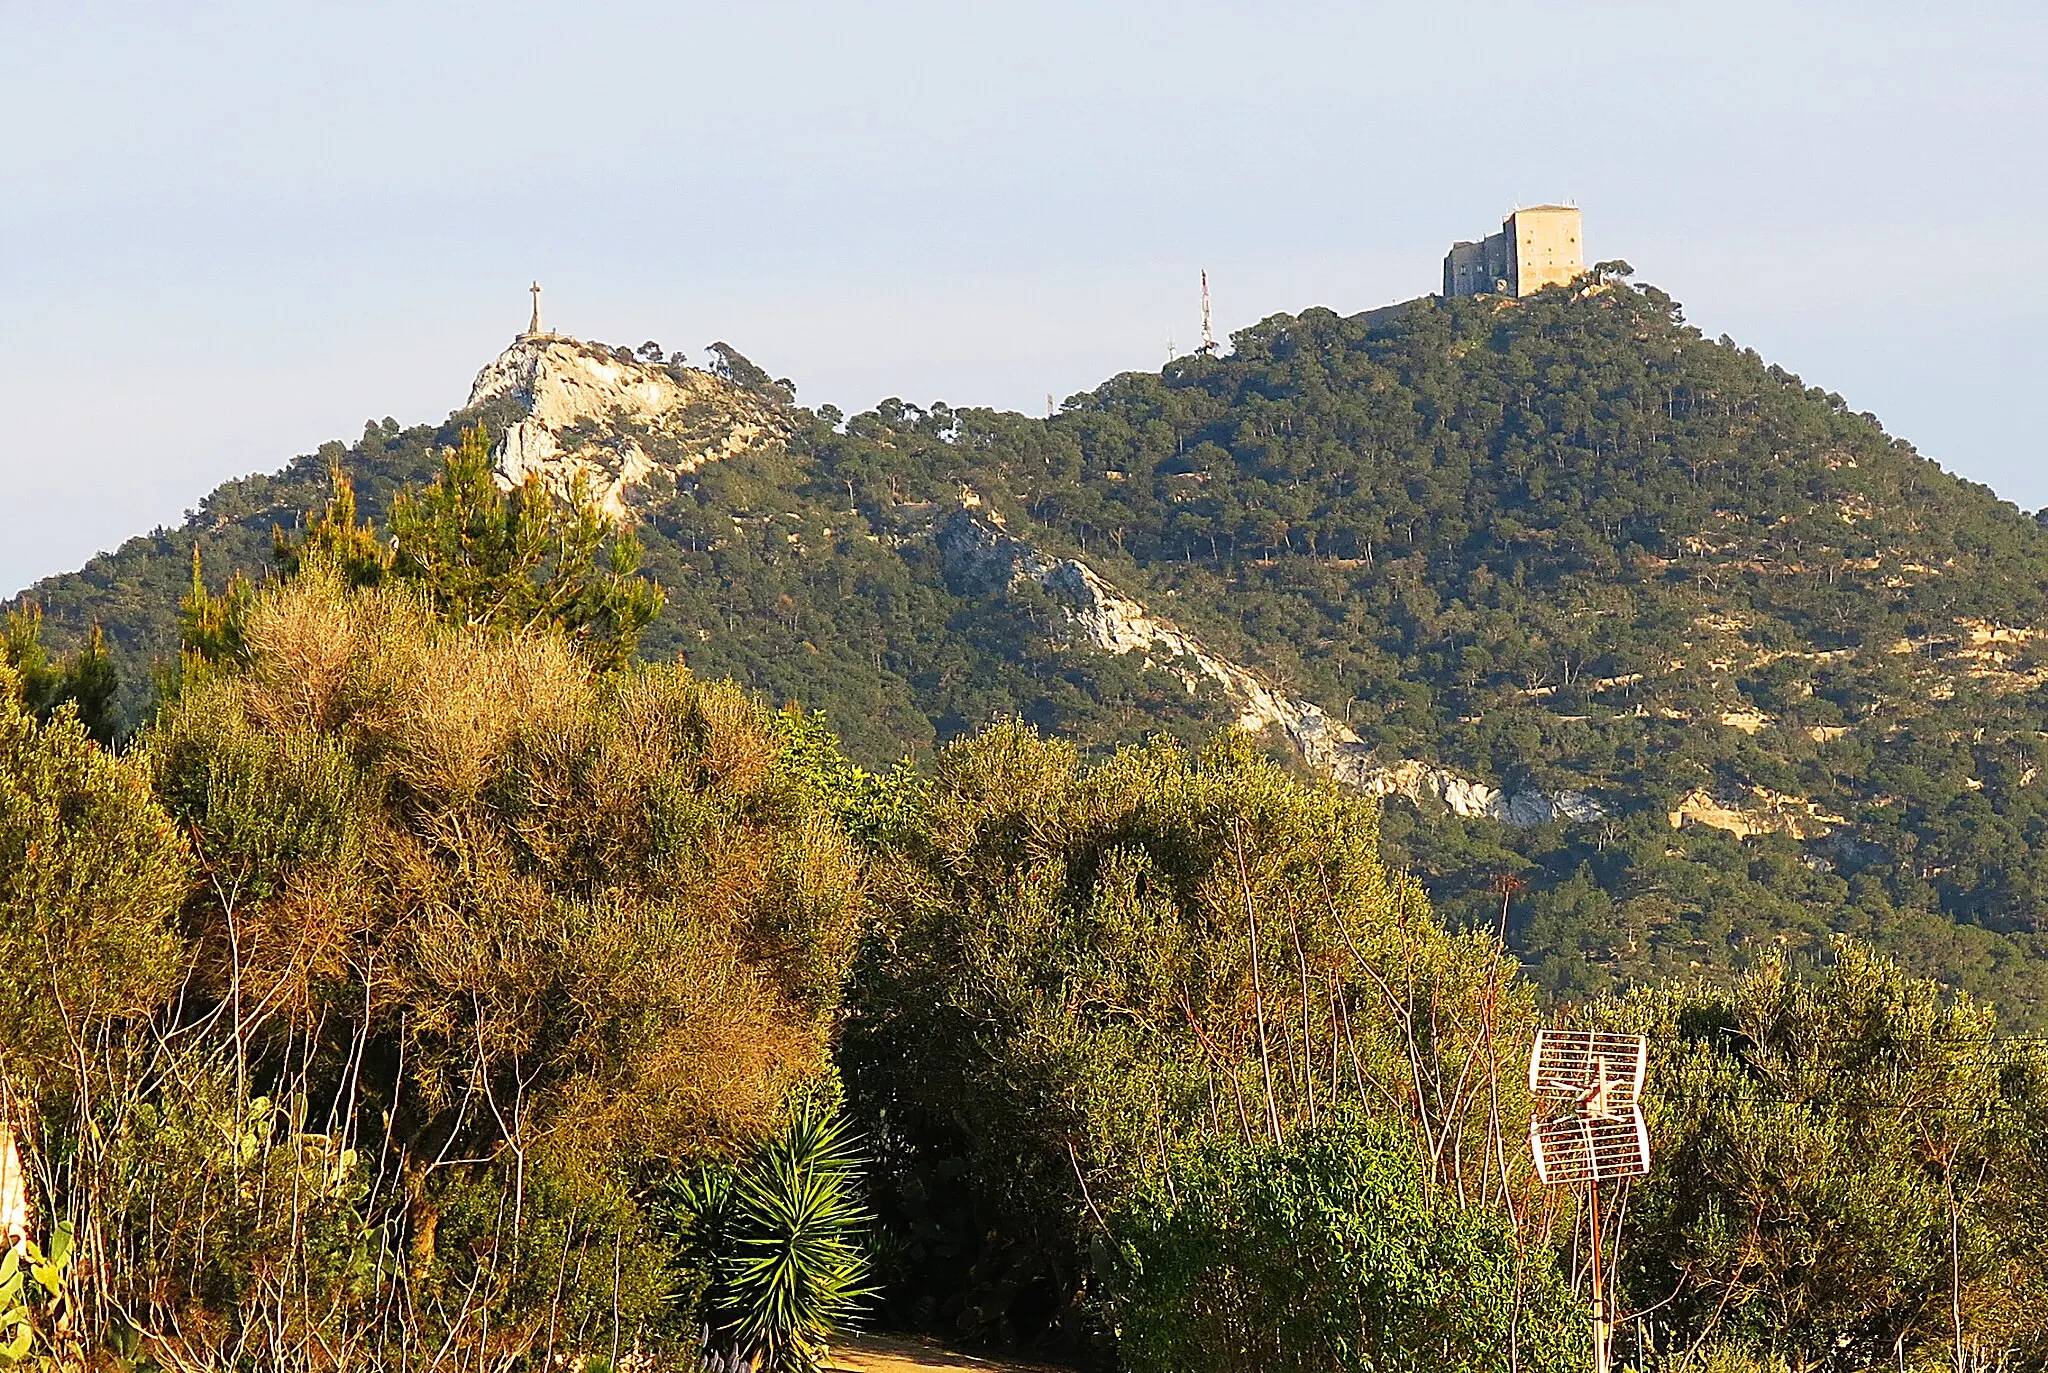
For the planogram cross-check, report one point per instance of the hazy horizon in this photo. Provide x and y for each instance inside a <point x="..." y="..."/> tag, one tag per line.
<point x="235" y="233"/>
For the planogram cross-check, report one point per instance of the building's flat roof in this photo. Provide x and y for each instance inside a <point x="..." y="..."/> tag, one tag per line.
<point x="1559" y="209"/>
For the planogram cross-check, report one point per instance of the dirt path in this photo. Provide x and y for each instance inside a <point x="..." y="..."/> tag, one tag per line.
<point x="892" y="1354"/>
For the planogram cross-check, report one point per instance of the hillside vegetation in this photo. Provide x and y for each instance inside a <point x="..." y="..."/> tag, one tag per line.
<point x="1560" y="543"/>
<point x="428" y="984"/>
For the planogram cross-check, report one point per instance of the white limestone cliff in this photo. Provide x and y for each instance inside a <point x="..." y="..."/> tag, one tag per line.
<point x="612" y="423"/>
<point x="983" y="558"/>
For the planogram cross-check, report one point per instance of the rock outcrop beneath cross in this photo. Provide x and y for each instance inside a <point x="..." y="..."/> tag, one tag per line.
<point x="613" y="422"/>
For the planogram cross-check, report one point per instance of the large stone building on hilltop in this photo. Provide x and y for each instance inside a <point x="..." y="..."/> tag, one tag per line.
<point x="1535" y="248"/>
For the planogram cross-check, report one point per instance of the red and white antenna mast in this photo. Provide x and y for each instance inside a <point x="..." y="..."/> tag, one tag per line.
<point x="1208" y="339"/>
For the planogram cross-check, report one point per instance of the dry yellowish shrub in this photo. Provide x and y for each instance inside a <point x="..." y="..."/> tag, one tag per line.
<point x="302" y="644"/>
<point x="450" y="725"/>
<point x="555" y="905"/>
<point x="736" y="750"/>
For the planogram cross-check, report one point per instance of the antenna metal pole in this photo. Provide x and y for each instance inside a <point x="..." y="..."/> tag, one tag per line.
<point x="1208" y="339"/>
<point x="1599" y="1135"/>
<point x="1600" y="1331"/>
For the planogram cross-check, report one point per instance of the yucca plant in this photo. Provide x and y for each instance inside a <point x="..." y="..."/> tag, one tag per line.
<point x="779" y="1238"/>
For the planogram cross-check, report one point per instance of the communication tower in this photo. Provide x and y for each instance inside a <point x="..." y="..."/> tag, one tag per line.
<point x="1208" y="339"/>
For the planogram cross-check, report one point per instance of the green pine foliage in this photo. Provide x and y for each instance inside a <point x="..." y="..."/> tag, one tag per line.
<point x="334" y="537"/>
<point x="86" y="680"/>
<point x="517" y="559"/>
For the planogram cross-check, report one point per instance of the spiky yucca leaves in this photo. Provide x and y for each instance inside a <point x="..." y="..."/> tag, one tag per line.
<point x="780" y="1239"/>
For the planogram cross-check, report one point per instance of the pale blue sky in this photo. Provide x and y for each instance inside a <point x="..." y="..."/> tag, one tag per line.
<point x="231" y="231"/>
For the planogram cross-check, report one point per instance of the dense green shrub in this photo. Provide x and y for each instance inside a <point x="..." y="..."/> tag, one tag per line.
<point x="1074" y="966"/>
<point x="1849" y="1169"/>
<point x="92" y="871"/>
<point x="1328" y="1254"/>
<point x="565" y="1260"/>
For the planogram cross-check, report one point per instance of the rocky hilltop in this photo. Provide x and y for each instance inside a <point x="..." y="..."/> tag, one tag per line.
<point x="608" y="422"/>
<point x="611" y="421"/>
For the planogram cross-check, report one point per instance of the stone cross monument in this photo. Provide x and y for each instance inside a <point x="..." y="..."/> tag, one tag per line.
<point x="534" y="330"/>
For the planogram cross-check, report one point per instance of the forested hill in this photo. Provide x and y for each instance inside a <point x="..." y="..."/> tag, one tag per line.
<point x="1560" y="545"/>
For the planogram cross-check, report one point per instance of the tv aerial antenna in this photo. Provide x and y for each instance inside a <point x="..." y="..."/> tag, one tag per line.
<point x="1587" y="1127"/>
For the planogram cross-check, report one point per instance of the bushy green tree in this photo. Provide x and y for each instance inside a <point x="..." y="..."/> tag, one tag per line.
<point x="1077" y="966"/>
<point x="1328" y="1254"/>
<point x="92" y="874"/>
<point x="877" y="810"/>
<point x="522" y="558"/>
<point x="1848" y="1169"/>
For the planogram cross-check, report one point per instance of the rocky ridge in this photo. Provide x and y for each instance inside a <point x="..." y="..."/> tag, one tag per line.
<point x="613" y="421"/>
<point x="1762" y="811"/>
<point x="981" y="557"/>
